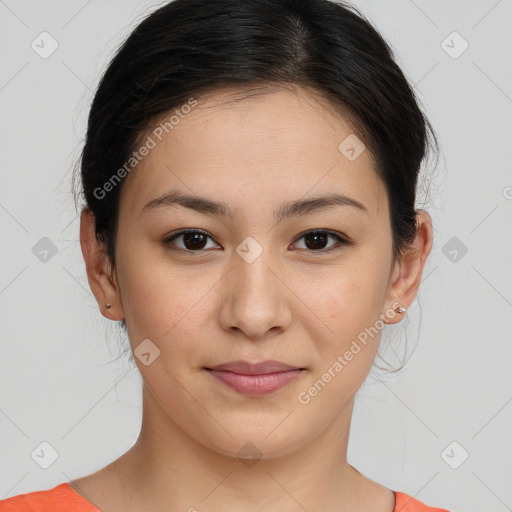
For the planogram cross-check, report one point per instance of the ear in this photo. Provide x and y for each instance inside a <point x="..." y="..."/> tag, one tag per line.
<point x="409" y="267"/>
<point x="98" y="268"/>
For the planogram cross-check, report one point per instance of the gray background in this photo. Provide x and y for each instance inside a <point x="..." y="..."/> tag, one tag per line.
<point x="60" y="381"/>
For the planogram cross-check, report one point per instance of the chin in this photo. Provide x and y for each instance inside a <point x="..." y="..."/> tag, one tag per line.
<point x="253" y="443"/>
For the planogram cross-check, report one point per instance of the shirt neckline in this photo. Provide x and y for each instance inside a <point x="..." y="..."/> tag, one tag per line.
<point x="76" y="493"/>
<point x="82" y="498"/>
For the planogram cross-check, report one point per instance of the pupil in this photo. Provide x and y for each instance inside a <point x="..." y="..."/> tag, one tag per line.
<point x="193" y="240"/>
<point x="316" y="236"/>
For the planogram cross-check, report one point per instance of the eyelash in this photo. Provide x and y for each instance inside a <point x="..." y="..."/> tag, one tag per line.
<point x="343" y="240"/>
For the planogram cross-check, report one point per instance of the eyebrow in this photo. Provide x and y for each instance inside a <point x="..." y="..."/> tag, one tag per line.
<point x="286" y="210"/>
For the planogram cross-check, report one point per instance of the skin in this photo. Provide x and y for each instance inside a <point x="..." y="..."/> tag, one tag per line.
<point x="292" y="303"/>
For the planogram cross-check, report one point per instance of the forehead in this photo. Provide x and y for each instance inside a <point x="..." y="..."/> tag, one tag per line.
<point x="253" y="147"/>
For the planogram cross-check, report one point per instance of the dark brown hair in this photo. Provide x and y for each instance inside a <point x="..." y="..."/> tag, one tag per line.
<point x="189" y="47"/>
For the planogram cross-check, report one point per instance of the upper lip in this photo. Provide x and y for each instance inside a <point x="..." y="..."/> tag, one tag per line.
<point x="260" y="368"/>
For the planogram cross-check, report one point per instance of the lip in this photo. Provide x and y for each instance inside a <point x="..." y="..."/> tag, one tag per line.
<point x="255" y="379"/>
<point x="259" y="368"/>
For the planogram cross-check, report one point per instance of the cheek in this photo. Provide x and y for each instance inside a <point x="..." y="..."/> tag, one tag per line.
<point x="353" y="295"/>
<point x="151" y="297"/>
<point x="346" y="351"/>
<point x="170" y="306"/>
<point x="349" y="303"/>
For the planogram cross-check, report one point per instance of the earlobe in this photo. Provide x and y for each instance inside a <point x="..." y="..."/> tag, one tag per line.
<point x="97" y="266"/>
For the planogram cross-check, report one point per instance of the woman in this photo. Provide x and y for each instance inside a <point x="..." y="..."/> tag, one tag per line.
<point x="249" y="176"/>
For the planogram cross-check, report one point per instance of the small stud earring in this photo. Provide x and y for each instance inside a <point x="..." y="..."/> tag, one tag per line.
<point x="108" y="306"/>
<point x="400" y="309"/>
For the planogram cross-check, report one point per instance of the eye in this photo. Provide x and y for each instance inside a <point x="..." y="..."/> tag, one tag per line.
<point x="196" y="240"/>
<point x="193" y="240"/>
<point x="316" y="239"/>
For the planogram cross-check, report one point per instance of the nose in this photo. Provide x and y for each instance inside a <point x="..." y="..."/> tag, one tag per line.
<point x="255" y="298"/>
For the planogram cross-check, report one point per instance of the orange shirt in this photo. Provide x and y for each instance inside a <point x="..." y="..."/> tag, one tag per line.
<point x="63" y="498"/>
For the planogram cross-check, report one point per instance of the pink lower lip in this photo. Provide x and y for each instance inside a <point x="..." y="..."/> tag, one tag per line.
<point x="255" y="385"/>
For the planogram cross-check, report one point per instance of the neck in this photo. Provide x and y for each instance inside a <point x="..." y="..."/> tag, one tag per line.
<point x="168" y="469"/>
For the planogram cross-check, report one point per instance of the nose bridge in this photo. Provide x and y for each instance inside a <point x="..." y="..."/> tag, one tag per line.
<point x="254" y="303"/>
<point x="253" y="269"/>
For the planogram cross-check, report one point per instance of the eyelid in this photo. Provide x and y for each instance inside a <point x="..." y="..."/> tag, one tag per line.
<point x="168" y="239"/>
<point x="344" y="237"/>
<point x="344" y="240"/>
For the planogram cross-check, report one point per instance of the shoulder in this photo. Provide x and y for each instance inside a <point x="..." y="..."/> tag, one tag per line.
<point x="405" y="503"/>
<point x="61" y="498"/>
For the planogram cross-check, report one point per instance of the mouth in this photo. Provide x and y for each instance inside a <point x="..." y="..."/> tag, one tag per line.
<point x="255" y="379"/>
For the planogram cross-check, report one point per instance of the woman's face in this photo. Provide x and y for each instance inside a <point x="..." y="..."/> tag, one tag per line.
<point x="256" y="286"/>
